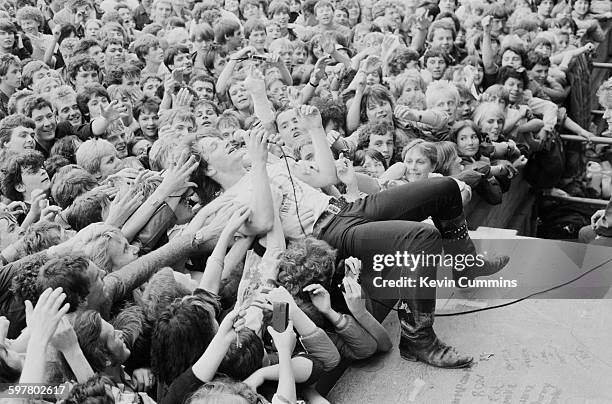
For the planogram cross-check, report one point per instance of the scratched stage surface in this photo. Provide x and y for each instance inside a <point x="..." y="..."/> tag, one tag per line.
<point x="536" y="351"/>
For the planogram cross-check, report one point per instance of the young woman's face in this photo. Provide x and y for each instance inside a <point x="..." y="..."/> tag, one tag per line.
<point x="278" y="93"/>
<point x="121" y="253"/>
<point x="206" y="116"/>
<point x="515" y="89"/>
<point x="492" y="124"/>
<point x="150" y="87"/>
<point x="581" y="7"/>
<point x="545" y="8"/>
<point x="219" y="65"/>
<point x="299" y="56"/>
<point x="341" y="17"/>
<point x="113" y="340"/>
<point x="7" y="39"/>
<point x="512" y="59"/>
<point x="379" y="111"/>
<point x="467" y="142"/>
<point x="30" y="27"/>
<point x="373" y="167"/>
<point x="418" y="166"/>
<point x="239" y="97"/>
<point x="109" y="165"/>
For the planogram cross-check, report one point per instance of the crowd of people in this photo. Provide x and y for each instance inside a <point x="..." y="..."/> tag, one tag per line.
<point x="172" y="171"/>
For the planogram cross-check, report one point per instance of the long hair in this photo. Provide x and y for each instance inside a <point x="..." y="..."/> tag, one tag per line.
<point x="377" y="92"/>
<point x="181" y="335"/>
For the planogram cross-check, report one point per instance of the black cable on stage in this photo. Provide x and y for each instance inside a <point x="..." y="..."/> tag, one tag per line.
<point x="498" y="306"/>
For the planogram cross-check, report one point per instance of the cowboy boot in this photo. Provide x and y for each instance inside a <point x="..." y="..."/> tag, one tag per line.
<point x="418" y="341"/>
<point x="456" y="241"/>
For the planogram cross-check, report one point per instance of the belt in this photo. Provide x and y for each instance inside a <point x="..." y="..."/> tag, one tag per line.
<point x="333" y="209"/>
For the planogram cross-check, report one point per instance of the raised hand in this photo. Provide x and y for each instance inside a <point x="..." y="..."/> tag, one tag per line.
<point x="345" y="170"/>
<point x="486" y="24"/>
<point x="257" y="144"/>
<point x="352" y="295"/>
<point x="65" y="337"/>
<point x="310" y="118"/>
<point x="236" y="221"/>
<point x="144" y="378"/>
<point x="112" y="111"/>
<point x="284" y="341"/>
<point x="44" y="319"/>
<point x="122" y="207"/>
<point x="318" y="73"/>
<point x="182" y="99"/>
<point x="319" y="296"/>
<point x="176" y="179"/>
<point x="255" y="82"/>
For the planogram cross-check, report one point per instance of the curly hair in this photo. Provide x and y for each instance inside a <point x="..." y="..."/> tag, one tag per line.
<point x="181" y="335"/>
<point x="223" y="390"/>
<point x="40" y="236"/>
<point x="92" y="391"/>
<point x="30" y="13"/>
<point x="12" y="170"/>
<point x="69" y="182"/>
<point x="87" y="209"/>
<point x="24" y="282"/>
<point x="306" y="262"/>
<point x="11" y="122"/>
<point x="70" y="273"/>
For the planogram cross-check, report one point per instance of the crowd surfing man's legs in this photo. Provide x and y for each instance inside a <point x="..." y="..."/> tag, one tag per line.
<point x="388" y="222"/>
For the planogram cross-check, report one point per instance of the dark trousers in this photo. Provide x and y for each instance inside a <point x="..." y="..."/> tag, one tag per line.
<point x="388" y="222"/>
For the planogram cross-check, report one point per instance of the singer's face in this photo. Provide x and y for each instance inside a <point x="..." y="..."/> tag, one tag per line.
<point x="220" y="154"/>
<point x="288" y="124"/>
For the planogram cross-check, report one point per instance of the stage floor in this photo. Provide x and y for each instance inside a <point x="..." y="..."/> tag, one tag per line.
<point x="546" y="350"/>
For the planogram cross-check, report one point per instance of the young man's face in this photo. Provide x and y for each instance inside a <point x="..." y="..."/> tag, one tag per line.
<point x="257" y="39"/>
<point x="163" y="12"/>
<point x="148" y="121"/>
<point x="150" y="87"/>
<point x="22" y="139"/>
<point x="95" y="52"/>
<point x="109" y="165"/>
<point x="68" y="110"/>
<point x="13" y="76"/>
<point x="235" y="41"/>
<point x="7" y="40"/>
<point x="324" y="15"/>
<point x="443" y="38"/>
<point x="545" y="8"/>
<point x="118" y="140"/>
<point x="114" y="55"/>
<point x="127" y="103"/>
<point x="40" y="74"/>
<point x="539" y="73"/>
<point x="204" y="89"/>
<point x="383" y="144"/>
<point x="282" y="18"/>
<point x="447" y="104"/>
<point x="183" y="60"/>
<point x="32" y="179"/>
<point x="273" y="32"/>
<point x="95" y="104"/>
<point x="85" y="77"/>
<point x="91" y="31"/>
<point x="436" y="66"/>
<point x="130" y="81"/>
<point x="288" y="124"/>
<point x="45" y="124"/>
<point x="155" y="55"/>
<point x="183" y="128"/>
<point x="205" y="115"/>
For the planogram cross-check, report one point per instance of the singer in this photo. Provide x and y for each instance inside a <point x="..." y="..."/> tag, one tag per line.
<point x="385" y="222"/>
